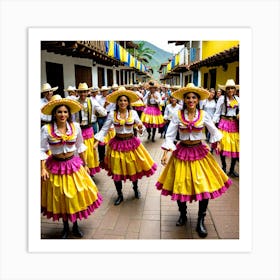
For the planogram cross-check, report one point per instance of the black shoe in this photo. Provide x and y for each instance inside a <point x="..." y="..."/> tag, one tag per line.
<point x="65" y="234"/>
<point x="182" y="221"/>
<point x="233" y="174"/>
<point x="137" y="193"/>
<point x="153" y="140"/>
<point x="200" y="228"/>
<point x="77" y="232"/>
<point x="65" y="231"/>
<point x="119" y="200"/>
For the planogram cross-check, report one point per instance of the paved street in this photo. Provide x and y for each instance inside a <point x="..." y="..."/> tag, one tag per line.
<point x="153" y="216"/>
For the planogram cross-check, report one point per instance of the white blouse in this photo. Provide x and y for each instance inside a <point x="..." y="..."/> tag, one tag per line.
<point x="58" y="146"/>
<point x="193" y="131"/>
<point x="154" y="101"/>
<point x="125" y="128"/>
<point x="170" y="111"/>
<point x="221" y="109"/>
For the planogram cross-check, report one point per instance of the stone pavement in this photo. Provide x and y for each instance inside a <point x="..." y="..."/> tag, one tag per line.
<point x="153" y="216"/>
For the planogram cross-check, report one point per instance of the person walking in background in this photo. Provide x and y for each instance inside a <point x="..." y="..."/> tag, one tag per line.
<point x="85" y="118"/>
<point x="171" y="109"/>
<point x="71" y="93"/>
<point x="126" y="158"/>
<point x="46" y="95"/>
<point x="209" y="105"/>
<point x="227" y="118"/>
<point x="67" y="190"/>
<point x="152" y="117"/>
<point x="191" y="173"/>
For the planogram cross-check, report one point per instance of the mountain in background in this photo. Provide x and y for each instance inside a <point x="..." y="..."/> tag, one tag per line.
<point x="160" y="56"/>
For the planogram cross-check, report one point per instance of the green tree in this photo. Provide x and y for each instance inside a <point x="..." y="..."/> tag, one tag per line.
<point x="142" y="53"/>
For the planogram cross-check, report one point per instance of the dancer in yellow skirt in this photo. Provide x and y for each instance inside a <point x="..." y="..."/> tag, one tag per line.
<point x="85" y="118"/>
<point x="191" y="173"/>
<point x="227" y="117"/>
<point x="152" y="117"/>
<point x="126" y="158"/>
<point x="67" y="190"/>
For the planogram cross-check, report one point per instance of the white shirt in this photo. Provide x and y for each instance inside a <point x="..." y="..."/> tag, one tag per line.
<point x="95" y="106"/>
<point x="176" y="123"/>
<point x="61" y="147"/>
<point x="101" y="100"/>
<point x="170" y="111"/>
<point x="154" y="101"/>
<point x="120" y="129"/>
<point x="221" y="109"/>
<point x="45" y="118"/>
<point x="209" y="106"/>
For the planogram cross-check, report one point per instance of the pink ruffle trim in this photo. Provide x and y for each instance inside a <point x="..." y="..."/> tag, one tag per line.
<point x="228" y="125"/>
<point x="124" y="145"/>
<point x="87" y="133"/>
<point x="154" y="111"/>
<point x="95" y="170"/>
<point x="139" y="108"/>
<point x="153" y="125"/>
<point x="184" y="153"/>
<point x="120" y="177"/>
<point x="230" y="154"/>
<point x="73" y="217"/>
<point x="195" y="197"/>
<point x="64" y="167"/>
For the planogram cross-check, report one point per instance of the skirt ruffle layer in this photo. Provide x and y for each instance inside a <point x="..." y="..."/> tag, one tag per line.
<point x="128" y="159"/>
<point x="152" y="117"/>
<point x="183" y="152"/>
<point x="188" y="180"/>
<point x="70" y="192"/>
<point x="92" y="157"/>
<point x="229" y="125"/>
<point x="230" y="144"/>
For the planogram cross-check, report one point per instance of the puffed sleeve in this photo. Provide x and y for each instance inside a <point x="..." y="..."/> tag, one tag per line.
<point x="105" y="128"/>
<point x="215" y="134"/>
<point x="44" y="143"/>
<point x="171" y="133"/>
<point x="218" y="111"/>
<point x="136" y="117"/>
<point x="81" y="147"/>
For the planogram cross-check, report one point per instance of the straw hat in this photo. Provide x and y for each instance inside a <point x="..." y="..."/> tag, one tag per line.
<point x="175" y="87"/>
<point x="153" y="84"/>
<point x="56" y="100"/>
<point x="83" y="87"/>
<point x="70" y="88"/>
<point x="47" y="87"/>
<point x="229" y="83"/>
<point x="179" y="94"/>
<point x="103" y="88"/>
<point x="95" y="89"/>
<point x="115" y="86"/>
<point x="112" y="97"/>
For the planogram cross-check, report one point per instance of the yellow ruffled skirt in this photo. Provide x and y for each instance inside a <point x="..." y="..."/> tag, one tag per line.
<point x="69" y="192"/>
<point x="192" y="173"/>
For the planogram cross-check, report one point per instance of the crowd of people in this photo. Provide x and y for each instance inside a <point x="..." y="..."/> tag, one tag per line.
<point x="99" y="128"/>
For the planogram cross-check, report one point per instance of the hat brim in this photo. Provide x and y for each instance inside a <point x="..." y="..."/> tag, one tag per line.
<point x="74" y="106"/>
<point x="179" y="94"/>
<point x="112" y="97"/>
<point x="50" y="89"/>
<point x="223" y="87"/>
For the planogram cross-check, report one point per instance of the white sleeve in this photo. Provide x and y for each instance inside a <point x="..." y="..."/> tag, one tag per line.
<point x="171" y="133"/>
<point x="44" y="143"/>
<point x="215" y="134"/>
<point x="98" y="108"/>
<point x="218" y="111"/>
<point x="81" y="147"/>
<point x="105" y="128"/>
